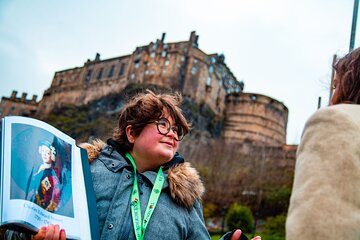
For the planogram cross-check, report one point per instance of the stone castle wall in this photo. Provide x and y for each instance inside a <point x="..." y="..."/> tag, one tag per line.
<point x="81" y="85"/>
<point x="255" y="118"/>
<point x="18" y="106"/>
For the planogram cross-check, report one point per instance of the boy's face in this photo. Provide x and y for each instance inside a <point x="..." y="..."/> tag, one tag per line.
<point x="45" y="154"/>
<point x="154" y="147"/>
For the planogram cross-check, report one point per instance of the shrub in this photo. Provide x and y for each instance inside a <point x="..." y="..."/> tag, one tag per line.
<point x="277" y="201"/>
<point x="275" y="225"/>
<point x="240" y="217"/>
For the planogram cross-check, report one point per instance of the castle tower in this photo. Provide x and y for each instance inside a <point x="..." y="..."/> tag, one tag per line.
<point x="255" y="118"/>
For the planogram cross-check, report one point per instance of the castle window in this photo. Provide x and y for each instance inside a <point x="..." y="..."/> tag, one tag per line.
<point x="193" y="70"/>
<point x="111" y="72"/>
<point x="182" y="58"/>
<point x="185" y="50"/>
<point x="167" y="62"/>
<point x="146" y="72"/>
<point x="60" y="81"/>
<point x="213" y="60"/>
<point x="195" y="61"/>
<point x="88" y="75"/>
<point x="122" y="69"/>
<point x="152" y="55"/>
<point x="211" y="69"/>
<point x="137" y="64"/>
<point x="163" y="54"/>
<point x="132" y="76"/>
<point x="165" y="46"/>
<point x="253" y="97"/>
<point x="99" y="75"/>
<point x="208" y="82"/>
<point x="152" y="72"/>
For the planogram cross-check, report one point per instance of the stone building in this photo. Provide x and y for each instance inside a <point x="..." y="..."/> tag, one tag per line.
<point x="18" y="106"/>
<point x="180" y="66"/>
<point x="249" y="117"/>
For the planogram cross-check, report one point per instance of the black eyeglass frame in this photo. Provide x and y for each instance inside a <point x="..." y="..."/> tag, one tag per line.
<point x="174" y="128"/>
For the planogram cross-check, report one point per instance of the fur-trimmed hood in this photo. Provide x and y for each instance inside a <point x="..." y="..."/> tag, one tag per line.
<point x="184" y="181"/>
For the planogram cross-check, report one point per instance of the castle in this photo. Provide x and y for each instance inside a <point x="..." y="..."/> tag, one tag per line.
<point x="182" y="66"/>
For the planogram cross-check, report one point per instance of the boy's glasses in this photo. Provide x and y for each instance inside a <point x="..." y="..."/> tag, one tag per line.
<point x="163" y="126"/>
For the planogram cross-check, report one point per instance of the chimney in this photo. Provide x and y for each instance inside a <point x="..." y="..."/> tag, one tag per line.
<point x="196" y="39"/>
<point x="97" y="57"/>
<point x="34" y="98"/>
<point x="163" y="37"/>
<point x="23" y="97"/>
<point x="192" y="37"/>
<point x="13" y="94"/>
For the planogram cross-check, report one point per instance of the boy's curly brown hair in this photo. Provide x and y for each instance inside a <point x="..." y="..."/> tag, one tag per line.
<point x="144" y="108"/>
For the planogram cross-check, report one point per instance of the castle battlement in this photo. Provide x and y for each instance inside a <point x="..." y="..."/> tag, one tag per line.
<point x="16" y="106"/>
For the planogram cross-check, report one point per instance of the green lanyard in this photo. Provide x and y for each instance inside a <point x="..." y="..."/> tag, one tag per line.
<point x="139" y="227"/>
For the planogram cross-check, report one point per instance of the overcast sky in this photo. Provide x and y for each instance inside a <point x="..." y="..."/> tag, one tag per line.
<point x="280" y="48"/>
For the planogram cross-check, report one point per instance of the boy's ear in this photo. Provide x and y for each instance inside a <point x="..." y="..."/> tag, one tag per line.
<point x="130" y="133"/>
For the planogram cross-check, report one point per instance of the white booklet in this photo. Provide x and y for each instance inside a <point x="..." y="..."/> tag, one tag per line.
<point x="45" y="178"/>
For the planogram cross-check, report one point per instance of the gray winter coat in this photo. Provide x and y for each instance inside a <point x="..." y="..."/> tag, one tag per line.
<point x="178" y="213"/>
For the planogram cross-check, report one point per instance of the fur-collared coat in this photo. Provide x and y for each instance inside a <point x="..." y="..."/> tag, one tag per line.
<point x="178" y="213"/>
<point x="325" y="200"/>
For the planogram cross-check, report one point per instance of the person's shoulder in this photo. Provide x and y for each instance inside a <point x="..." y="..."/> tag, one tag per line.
<point x="340" y="111"/>
<point x="351" y="110"/>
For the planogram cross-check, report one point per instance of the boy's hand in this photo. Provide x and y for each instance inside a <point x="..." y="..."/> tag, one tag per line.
<point x="237" y="235"/>
<point x="51" y="232"/>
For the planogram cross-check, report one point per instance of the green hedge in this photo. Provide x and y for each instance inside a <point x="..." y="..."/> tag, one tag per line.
<point x="240" y="217"/>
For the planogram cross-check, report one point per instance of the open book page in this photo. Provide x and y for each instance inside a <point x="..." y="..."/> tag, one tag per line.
<point x="42" y="178"/>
